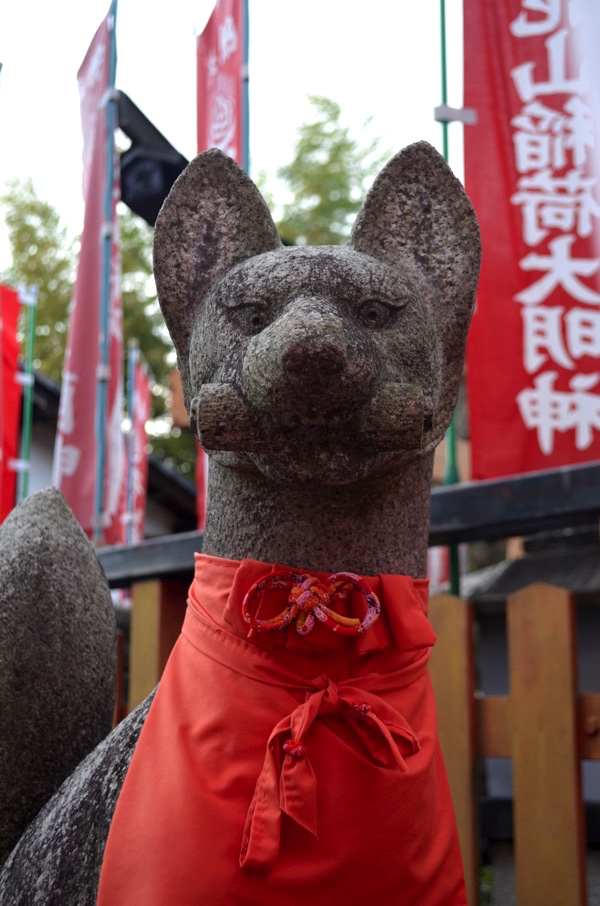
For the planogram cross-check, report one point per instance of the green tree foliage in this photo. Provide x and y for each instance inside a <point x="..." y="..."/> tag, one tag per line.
<point x="44" y="256"/>
<point x="326" y="179"/>
<point x="142" y="318"/>
<point x="143" y="321"/>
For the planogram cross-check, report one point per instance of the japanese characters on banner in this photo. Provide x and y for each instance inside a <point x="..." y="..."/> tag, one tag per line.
<point x="76" y="442"/>
<point x="10" y="397"/>
<point x="531" y="171"/>
<point x="220" y="60"/>
<point x="219" y="80"/>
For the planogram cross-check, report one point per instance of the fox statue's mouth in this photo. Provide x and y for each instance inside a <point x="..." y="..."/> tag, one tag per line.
<point x="397" y="418"/>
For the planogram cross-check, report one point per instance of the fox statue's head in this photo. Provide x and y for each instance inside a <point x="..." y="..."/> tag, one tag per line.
<point x="323" y="364"/>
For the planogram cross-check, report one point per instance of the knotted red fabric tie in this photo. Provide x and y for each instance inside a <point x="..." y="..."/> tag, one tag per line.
<point x="287" y="782"/>
<point x="310" y="600"/>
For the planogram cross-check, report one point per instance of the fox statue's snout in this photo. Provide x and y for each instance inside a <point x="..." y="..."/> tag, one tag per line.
<point x="319" y="372"/>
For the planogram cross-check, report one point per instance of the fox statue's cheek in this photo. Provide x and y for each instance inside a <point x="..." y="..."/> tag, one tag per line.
<point x="215" y="351"/>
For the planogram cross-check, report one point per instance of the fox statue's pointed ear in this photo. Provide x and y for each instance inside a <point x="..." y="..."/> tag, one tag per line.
<point x="418" y="209"/>
<point x="213" y="218"/>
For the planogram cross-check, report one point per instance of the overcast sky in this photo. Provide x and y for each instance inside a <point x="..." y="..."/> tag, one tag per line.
<point x="379" y="58"/>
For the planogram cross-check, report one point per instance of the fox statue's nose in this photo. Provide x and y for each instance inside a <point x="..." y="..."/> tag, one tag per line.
<point x="309" y="354"/>
<point x="309" y="361"/>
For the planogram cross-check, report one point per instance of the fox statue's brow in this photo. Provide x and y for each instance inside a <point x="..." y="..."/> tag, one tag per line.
<point x="396" y="300"/>
<point x="392" y="289"/>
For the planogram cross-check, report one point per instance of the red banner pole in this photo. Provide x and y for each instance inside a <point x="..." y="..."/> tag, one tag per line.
<point x="132" y="364"/>
<point x="82" y="432"/>
<point x="103" y="375"/>
<point x="245" y="77"/>
<point x="10" y="398"/>
<point x="28" y="298"/>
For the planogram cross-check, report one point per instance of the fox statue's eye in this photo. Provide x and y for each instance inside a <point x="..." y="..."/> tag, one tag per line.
<point x="256" y="320"/>
<point x="251" y="318"/>
<point x="375" y="314"/>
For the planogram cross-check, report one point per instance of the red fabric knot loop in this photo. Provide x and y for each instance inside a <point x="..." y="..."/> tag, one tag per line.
<point x="294" y="748"/>
<point x="310" y="600"/>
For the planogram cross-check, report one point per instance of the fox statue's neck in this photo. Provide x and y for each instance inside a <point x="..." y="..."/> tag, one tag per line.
<point x="379" y="525"/>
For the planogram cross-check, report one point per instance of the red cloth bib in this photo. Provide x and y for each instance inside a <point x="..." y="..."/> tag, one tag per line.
<point x="280" y="769"/>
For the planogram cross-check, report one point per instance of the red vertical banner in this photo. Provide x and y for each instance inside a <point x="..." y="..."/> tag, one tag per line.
<point x="220" y="63"/>
<point x="141" y="456"/>
<point x="115" y="441"/>
<point x="76" y="443"/>
<point x="136" y="475"/>
<point x="10" y="397"/>
<point x="531" y="170"/>
<point x="220" y="56"/>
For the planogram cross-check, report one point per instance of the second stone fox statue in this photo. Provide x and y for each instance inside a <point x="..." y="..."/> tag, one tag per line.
<point x="290" y="754"/>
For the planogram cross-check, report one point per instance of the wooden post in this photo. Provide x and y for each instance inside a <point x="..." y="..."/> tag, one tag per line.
<point x="157" y="611"/>
<point x="451" y="668"/>
<point x="548" y="810"/>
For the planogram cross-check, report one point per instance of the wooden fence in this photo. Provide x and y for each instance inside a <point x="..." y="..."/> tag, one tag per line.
<point x="544" y="726"/>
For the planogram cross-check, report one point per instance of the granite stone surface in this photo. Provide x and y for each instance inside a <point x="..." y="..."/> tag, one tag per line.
<point x="57" y="656"/>
<point x="58" y="859"/>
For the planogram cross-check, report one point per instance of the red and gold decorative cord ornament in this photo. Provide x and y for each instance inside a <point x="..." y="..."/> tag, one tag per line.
<point x="310" y="600"/>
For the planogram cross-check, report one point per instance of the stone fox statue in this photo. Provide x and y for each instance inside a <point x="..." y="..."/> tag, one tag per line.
<point x="290" y="753"/>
